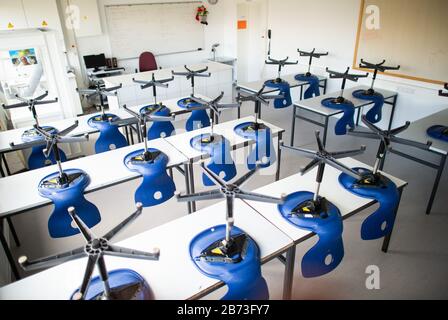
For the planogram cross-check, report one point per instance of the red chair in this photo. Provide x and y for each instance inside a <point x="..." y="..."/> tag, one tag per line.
<point x="147" y="62"/>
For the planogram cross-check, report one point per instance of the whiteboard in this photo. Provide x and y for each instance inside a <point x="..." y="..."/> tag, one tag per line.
<point x="161" y="28"/>
<point x="412" y="33"/>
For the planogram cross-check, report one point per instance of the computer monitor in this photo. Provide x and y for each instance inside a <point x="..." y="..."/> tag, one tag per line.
<point x="95" y="61"/>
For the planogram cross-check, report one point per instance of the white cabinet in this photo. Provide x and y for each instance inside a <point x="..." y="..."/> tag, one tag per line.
<point x="42" y="14"/>
<point x="12" y="15"/>
<point x="85" y="17"/>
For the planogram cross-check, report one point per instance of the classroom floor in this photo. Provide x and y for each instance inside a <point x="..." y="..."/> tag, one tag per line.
<point x="415" y="267"/>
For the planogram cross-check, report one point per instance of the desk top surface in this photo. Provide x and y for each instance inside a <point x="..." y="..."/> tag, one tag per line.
<point x="255" y="86"/>
<point x="15" y="135"/>
<point x="225" y="60"/>
<point x="126" y="79"/>
<point x="347" y="202"/>
<point x="417" y="131"/>
<point x="174" y="276"/>
<point x="226" y="129"/>
<point x="171" y="104"/>
<point x="104" y="169"/>
<point x="315" y="104"/>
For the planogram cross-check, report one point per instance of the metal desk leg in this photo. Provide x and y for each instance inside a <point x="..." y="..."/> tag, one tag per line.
<point x="9" y="256"/>
<point x="239" y="112"/>
<point x="13" y="231"/>
<point x="383" y="162"/>
<point x="132" y="136"/>
<point x="301" y="93"/>
<point x="6" y="164"/>
<point x="192" y="188"/>
<point x="279" y="157"/>
<point x="386" y="241"/>
<point x="216" y="119"/>
<point x="392" y="114"/>
<point x="325" y="86"/>
<point x="325" y="131"/>
<point x="187" y="186"/>
<point x="3" y="159"/>
<point x="2" y="173"/>
<point x="289" y="273"/>
<point x="139" y="135"/>
<point x="293" y="127"/>
<point x="126" y="132"/>
<point x="436" y="184"/>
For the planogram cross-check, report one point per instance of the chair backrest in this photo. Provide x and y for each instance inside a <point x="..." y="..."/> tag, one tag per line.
<point x="147" y="62"/>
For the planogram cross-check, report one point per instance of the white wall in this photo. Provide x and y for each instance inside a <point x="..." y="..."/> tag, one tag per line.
<point x="221" y="29"/>
<point x="330" y="25"/>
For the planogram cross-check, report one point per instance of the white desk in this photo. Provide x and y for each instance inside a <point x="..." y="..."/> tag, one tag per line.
<point x="226" y="129"/>
<point x="229" y="61"/>
<point x="15" y="135"/>
<point x="97" y="166"/>
<point x="314" y="106"/>
<point x="418" y="132"/>
<point x="177" y="148"/>
<point x="255" y="86"/>
<point x="171" y="104"/>
<point x="131" y="94"/>
<point x="105" y="170"/>
<point x="182" y="143"/>
<point x="174" y="276"/>
<point x="348" y="203"/>
<point x="225" y="60"/>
